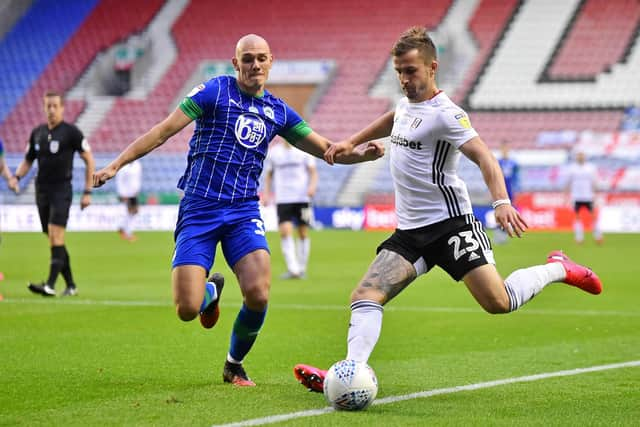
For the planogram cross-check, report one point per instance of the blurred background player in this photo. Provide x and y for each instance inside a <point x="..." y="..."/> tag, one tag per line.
<point x="581" y="185"/>
<point x="128" y="185"/>
<point x="291" y="179"/>
<point x="510" y="170"/>
<point x="53" y="145"/>
<point x="6" y="174"/>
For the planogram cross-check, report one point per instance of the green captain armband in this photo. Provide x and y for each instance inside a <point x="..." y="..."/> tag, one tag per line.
<point x="190" y="108"/>
<point x="297" y="132"/>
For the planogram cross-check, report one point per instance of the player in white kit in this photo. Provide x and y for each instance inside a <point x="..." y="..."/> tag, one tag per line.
<point x="128" y="185"/>
<point x="436" y="225"/>
<point x="581" y="183"/>
<point x="291" y="179"/>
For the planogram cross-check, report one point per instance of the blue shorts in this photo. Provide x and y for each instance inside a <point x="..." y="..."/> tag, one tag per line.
<point x="202" y="223"/>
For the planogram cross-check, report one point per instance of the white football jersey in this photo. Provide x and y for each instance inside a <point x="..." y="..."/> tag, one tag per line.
<point x="129" y="179"/>
<point x="424" y="157"/>
<point x="290" y="168"/>
<point x="582" y="178"/>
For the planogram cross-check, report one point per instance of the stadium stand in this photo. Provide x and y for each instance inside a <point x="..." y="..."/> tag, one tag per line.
<point x="486" y="26"/>
<point x="27" y="50"/>
<point x="584" y="40"/>
<point x="600" y="37"/>
<point x="106" y="24"/>
<point x="342" y="27"/>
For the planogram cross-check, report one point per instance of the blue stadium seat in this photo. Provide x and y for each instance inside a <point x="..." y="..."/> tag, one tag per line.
<point x="27" y="49"/>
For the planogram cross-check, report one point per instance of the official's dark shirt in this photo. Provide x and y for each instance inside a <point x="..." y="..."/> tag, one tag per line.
<point x="54" y="149"/>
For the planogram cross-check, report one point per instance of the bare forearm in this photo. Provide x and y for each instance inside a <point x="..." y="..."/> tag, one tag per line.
<point x="22" y="169"/>
<point x="6" y="173"/>
<point x="140" y="147"/>
<point x="356" y="156"/>
<point x="89" y="169"/>
<point x="494" y="178"/>
<point x="378" y="129"/>
<point x="313" y="181"/>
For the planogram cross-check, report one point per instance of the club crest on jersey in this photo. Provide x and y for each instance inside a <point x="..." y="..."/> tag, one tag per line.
<point x="268" y="111"/>
<point x="54" y="146"/>
<point x="250" y="130"/>
<point x="463" y="120"/>
<point x="196" y="90"/>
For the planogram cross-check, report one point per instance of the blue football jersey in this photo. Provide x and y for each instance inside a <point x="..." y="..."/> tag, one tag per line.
<point x="510" y="171"/>
<point x="231" y="138"/>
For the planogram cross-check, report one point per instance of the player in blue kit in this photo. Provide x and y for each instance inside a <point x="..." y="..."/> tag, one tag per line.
<point x="236" y="118"/>
<point x="511" y="171"/>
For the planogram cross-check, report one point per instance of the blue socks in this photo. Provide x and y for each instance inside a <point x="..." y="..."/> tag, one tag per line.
<point x="245" y="331"/>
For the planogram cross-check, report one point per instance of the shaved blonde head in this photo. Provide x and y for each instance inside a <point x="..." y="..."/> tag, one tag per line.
<point x="250" y="42"/>
<point x="252" y="63"/>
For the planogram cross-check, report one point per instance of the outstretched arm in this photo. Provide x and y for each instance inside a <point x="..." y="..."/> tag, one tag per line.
<point x="144" y="144"/>
<point x="318" y="145"/>
<point x="89" y="168"/>
<point x="21" y="171"/>
<point x="508" y="218"/>
<point x="313" y="180"/>
<point x="4" y="169"/>
<point x="12" y="182"/>
<point x="266" y="192"/>
<point x="378" y="129"/>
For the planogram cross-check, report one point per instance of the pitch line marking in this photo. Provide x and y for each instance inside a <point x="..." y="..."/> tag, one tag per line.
<point x="312" y="307"/>
<point x="428" y="393"/>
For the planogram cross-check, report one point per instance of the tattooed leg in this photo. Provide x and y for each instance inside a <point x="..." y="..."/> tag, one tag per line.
<point x="389" y="274"/>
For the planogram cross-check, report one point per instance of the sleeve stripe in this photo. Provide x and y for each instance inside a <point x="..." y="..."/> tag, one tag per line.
<point x="297" y="132"/>
<point x="190" y="108"/>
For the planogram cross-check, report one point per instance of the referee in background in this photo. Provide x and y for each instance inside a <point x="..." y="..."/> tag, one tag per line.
<point x="53" y="144"/>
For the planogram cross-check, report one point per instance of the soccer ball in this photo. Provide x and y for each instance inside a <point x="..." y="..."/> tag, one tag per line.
<point x="350" y="385"/>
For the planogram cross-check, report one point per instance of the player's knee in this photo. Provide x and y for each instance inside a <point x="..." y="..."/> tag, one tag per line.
<point x="186" y="312"/>
<point x="496" y="305"/>
<point x="360" y="293"/>
<point x="257" y="297"/>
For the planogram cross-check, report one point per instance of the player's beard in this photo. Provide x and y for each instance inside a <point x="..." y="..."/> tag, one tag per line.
<point x="415" y="93"/>
<point x="410" y="92"/>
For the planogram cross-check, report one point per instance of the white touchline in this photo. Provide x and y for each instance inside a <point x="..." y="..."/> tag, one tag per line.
<point x="312" y="307"/>
<point x="428" y="393"/>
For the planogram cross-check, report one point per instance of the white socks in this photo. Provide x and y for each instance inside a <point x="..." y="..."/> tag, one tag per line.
<point x="525" y="283"/>
<point x="127" y="224"/>
<point x="578" y="231"/>
<point x="296" y="253"/>
<point x="597" y="232"/>
<point x="289" y="252"/>
<point x="303" y="247"/>
<point x="364" y="329"/>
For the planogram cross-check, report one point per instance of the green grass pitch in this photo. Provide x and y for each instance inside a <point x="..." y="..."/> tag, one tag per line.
<point x="117" y="355"/>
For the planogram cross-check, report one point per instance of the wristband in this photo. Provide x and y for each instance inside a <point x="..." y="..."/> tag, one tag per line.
<point x="500" y="202"/>
<point x="86" y="192"/>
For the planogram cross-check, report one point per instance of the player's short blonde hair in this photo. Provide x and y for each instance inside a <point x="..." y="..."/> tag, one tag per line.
<point x="415" y="38"/>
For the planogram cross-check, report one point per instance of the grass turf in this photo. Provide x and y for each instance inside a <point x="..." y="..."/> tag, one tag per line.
<point x="118" y="355"/>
